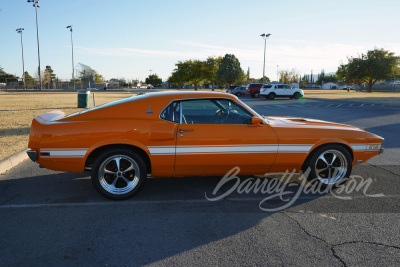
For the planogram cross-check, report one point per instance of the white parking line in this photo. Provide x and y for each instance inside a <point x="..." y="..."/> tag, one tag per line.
<point x="141" y="202"/>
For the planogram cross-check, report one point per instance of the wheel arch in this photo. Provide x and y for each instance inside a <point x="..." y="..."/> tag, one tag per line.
<point x="99" y="150"/>
<point x="311" y="153"/>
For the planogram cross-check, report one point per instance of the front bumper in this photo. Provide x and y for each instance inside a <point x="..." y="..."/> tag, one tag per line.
<point x="32" y="155"/>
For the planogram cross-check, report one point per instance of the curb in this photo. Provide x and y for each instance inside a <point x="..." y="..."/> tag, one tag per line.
<point x="13" y="160"/>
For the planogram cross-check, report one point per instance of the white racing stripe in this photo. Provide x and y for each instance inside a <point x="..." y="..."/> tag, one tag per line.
<point x="229" y="149"/>
<point x="63" y="152"/>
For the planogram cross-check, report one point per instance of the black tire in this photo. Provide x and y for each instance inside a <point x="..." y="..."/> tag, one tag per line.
<point x="119" y="182"/>
<point x="296" y="95"/>
<point x="252" y="95"/>
<point x="272" y="96"/>
<point x="256" y="95"/>
<point x="336" y="162"/>
<point x="238" y="94"/>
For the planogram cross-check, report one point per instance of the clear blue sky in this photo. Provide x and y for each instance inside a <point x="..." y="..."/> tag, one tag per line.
<point x="126" y="39"/>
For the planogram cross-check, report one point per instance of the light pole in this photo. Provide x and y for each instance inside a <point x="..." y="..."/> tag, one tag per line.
<point x="36" y="5"/>
<point x="23" y="64"/>
<point x="265" y="37"/>
<point x="277" y="73"/>
<point x="72" y="45"/>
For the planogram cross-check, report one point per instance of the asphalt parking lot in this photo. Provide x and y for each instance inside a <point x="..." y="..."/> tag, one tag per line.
<point x="55" y="218"/>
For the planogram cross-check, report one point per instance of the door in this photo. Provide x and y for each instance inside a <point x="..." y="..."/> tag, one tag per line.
<point x="287" y="91"/>
<point x="216" y="135"/>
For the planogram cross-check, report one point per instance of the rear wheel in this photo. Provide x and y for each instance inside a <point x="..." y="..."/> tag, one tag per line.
<point x="256" y="94"/>
<point x="271" y="96"/>
<point x="118" y="174"/>
<point x="329" y="165"/>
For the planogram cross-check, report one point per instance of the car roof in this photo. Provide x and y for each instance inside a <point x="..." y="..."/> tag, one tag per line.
<point x="187" y="94"/>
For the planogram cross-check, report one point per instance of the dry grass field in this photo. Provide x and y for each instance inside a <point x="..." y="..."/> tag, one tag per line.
<point x="391" y="98"/>
<point x="17" y="109"/>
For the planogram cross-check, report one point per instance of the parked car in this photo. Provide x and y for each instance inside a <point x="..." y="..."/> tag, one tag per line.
<point x="348" y="88"/>
<point x="254" y="89"/>
<point x="231" y="87"/>
<point x="270" y="91"/>
<point x="238" y="91"/>
<point x="175" y="133"/>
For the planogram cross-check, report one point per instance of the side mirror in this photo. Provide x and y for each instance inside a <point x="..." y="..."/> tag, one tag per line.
<point x="256" y="121"/>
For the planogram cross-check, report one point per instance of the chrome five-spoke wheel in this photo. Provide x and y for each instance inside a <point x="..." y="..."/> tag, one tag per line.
<point x="329" y="165"/>
<point x="118" y="174"/>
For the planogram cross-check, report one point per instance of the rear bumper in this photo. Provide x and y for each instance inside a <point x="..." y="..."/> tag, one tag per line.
<point x="32" y="155"/>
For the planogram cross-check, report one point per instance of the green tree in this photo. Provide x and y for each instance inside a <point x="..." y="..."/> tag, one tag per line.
<point x="197" y="70"/>
<point x="48" y="76"/>
<point x="211" y="68"/>
<point x="28" y="80"/>
<point x="302" y="83"/>
<point x="98" y="78"/>
<point x="326" y="78"/>
<point x="289" y="77"/>
<point x="266" y="80"/>
<point x="377" y="64"/>
<point x="181" y="74"/>
<point x="154" y="80"/>
<point x="229" y="71"/>
<point x="6" y="77"/>
<point x="90" y="76"/>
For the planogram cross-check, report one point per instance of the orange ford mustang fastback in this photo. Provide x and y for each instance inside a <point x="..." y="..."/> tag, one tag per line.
<point x="192" y="134"/>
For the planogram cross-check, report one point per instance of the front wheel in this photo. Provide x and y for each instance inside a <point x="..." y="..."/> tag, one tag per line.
<point x="118" y="174"/>
<point x="329" y="165"/>
<point x="297" y="95"/>
<point x="256" y="95"/>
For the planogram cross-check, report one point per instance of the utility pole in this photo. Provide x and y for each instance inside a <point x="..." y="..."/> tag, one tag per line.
<point x="23" y="63"/>
<point x="72" y="45"/>
<point x="265" y="37"/>
<point x="36" y="5"/>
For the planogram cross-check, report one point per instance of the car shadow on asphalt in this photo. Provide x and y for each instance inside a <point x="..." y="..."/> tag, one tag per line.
<point x="72" y="223"/>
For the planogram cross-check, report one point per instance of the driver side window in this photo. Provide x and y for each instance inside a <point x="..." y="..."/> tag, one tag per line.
<point x="214" y="111"/>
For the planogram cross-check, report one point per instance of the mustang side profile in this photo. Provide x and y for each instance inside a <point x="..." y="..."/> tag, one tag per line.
<point x="190" y="134"/>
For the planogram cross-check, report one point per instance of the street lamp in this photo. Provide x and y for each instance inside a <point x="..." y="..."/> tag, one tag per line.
<point x="277" y="73"/>
<point x="36" y="5"/>
<point x="265" y="37"/>
<point x="72" y="45"/>
<point x="22" y="46"/>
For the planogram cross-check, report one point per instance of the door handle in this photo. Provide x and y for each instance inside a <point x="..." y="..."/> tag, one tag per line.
<point x="182" y="130"/>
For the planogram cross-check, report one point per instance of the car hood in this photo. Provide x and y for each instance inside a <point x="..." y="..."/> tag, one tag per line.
<point x="294" y="122"/>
